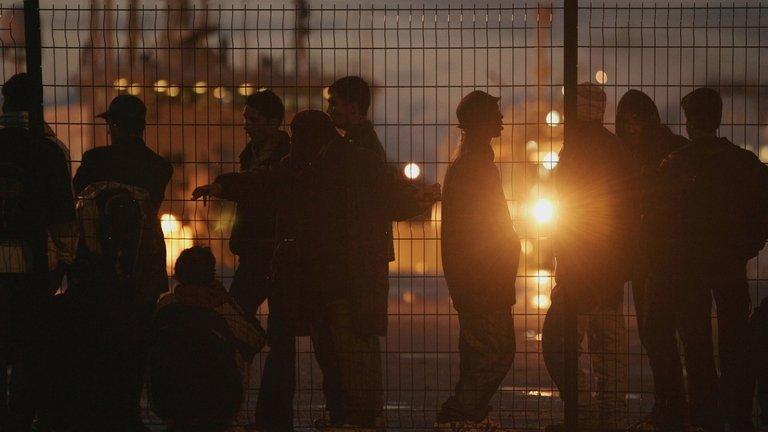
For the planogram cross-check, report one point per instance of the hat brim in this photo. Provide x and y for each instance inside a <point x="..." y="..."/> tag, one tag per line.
<point x="105" y="115"/>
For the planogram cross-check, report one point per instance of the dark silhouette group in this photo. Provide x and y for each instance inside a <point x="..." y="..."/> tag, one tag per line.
<point x="677" y="217"/>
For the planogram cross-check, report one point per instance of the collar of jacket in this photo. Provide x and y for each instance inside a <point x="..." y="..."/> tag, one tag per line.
<point x="710" y="141"/>
<point x="476" y="150"/>
<point x="360" y="131"/>
<point x="129" y="142"/>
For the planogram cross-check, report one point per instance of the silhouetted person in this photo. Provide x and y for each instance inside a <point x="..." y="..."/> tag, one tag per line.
<point x="639" y="127"/>
<point x="195" y="384"/>
<point x="381" y="196"/>
<point x="595" y="186"/>
<point x="252" y="240"/>
<point x="198" y="288"/>
<point x="708" y="220"/>
<point x="62" y="240"/>
<point x="480" y="252"/>
<point x="127" y="164"/>
<point x="36" y="200"/>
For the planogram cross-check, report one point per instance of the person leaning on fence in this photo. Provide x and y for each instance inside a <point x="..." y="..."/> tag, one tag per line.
<point x="594" y="181"/>
<point x="126" y="166"/>
<point x="198" y="288"/>
<point x="707" y="219"/>
<point x="480" y="251"/>
<point x="252" y="240"/>
<point x="36" y="200"/>
<point x="380" y="195"/>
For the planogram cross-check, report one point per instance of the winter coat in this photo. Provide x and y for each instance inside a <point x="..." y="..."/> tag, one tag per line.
<point x="597" y="198"/>
<point x="312" y="231"/>
<point x="709" y="214"/>
<point x="134" y="164"/>
<point x="480" y="247"/>
<point x="380" y="195"/>
<point x="253" y="230"/>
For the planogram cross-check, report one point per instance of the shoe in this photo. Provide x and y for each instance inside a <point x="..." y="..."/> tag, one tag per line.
<point x="644" y="425"/>
<point x="487" y="425"/>
<point x="325" y="425"/>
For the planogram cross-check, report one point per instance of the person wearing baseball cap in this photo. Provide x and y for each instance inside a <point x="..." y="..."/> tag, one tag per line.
<point x="480" y="251"/>
<point x="129" y="162"/>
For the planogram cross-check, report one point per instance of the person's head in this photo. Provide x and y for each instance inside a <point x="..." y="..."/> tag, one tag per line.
<point x="126" y="117"/>
<point x="703" y="109"/>
<point x="635" y="114"/>
<point x="17" y="93"/>
<point x="590" y="102"/>
<point x="479" y="115"/>
<point x="263" y="114"/>
<point x="196" y="266"/>
<point x="348" y="101"/>
<point x="310" y="130"/>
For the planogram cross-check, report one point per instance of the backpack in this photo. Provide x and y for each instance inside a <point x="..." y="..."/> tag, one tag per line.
<point x="728" y="195"/>
<point x="112" y="219"/>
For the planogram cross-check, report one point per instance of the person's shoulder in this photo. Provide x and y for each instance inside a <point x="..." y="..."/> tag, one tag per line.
<point x="97" y="152"/>
<point x="159" y="161"/>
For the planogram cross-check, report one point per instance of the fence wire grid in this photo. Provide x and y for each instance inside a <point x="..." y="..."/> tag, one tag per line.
<point x="195" y="63"/>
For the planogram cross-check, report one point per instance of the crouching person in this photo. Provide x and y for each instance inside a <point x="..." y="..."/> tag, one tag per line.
<point x="480" y="252"/>
<point x="198" y="288"/>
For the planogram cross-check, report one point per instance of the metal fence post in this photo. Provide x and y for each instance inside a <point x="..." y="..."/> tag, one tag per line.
<point x="33" y="49"/>
<point x="34" y="62"/>
<point x="570" y="61"/>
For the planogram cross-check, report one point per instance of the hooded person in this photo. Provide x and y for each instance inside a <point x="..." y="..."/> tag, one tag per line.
<point x="594" y="181"/>
<point x="480" y="252"/>
<point x="705" y="220"/>
<point x="639" y="126"/>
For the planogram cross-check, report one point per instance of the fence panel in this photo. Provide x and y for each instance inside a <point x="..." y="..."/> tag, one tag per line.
<point x="195" y="63"/>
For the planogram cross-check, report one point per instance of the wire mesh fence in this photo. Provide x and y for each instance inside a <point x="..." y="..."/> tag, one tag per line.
<point x="194" y="64"/>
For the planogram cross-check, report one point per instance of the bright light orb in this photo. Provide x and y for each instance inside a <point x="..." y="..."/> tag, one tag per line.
<point x="549" y="161"/>
<point x="220" y="93"/>
<point x="601" y="77"/>
<point x="553" y="118"/>
<point x="541" y="301"/>
<point x="412" y="171"/>
<point x="134" y="89"/>
<point x="408" y="297"/>
<point x="173" y="91"/>
<point x="120" y="84"/>
<point x="161" y="86"/>
<point x="245" y="89"/>
<point x="169" y="224"/>
<point x="543" y="210"/>
<point x="200" y="87"/>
